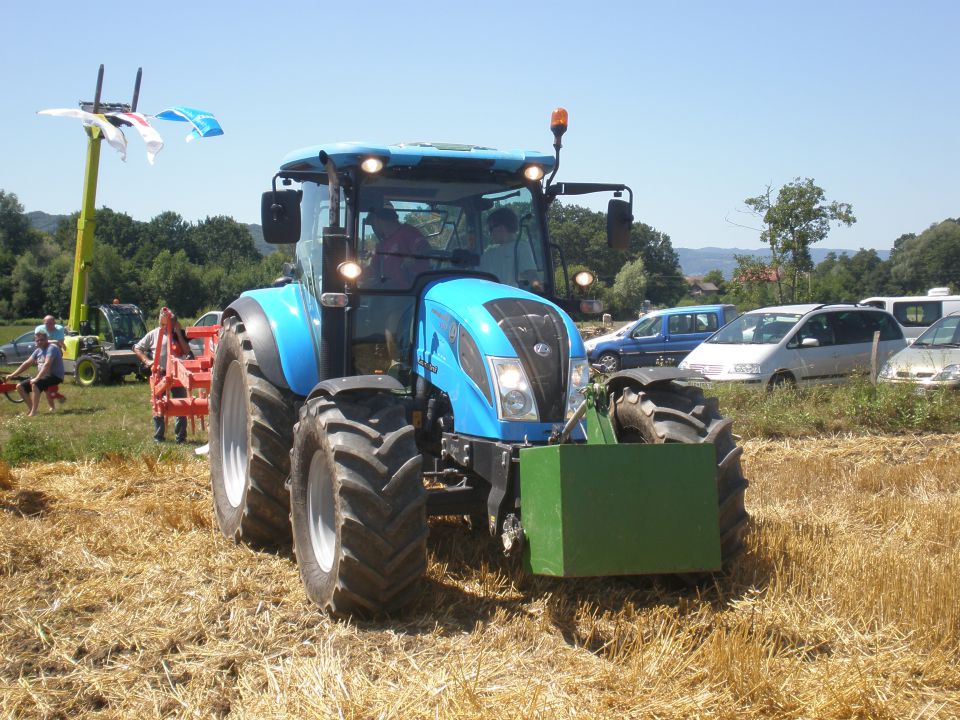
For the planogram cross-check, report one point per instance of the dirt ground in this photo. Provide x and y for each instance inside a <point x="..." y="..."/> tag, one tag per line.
<point x="119" y="598"/>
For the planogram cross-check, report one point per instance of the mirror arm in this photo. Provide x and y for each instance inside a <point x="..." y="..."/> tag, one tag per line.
<point x="563" y="264"/>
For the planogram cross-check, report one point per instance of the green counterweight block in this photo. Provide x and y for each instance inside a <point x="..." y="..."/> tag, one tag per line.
<point x="629" y="509"/>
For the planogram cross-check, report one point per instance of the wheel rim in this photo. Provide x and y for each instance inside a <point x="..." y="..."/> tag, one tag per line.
<point x="609" y="363"/>
<point x="86" y="372"/>
<point x="233" y="434"/>
<point x="320" y="512"/>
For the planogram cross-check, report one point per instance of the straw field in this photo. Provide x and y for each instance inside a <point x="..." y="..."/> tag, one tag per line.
<point x="118" y="598"/>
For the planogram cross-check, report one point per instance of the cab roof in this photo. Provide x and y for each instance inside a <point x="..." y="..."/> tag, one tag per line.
<point x="351" y="154"/>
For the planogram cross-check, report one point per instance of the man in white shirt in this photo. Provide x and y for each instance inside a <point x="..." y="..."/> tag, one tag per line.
<point x="510" y="259"/>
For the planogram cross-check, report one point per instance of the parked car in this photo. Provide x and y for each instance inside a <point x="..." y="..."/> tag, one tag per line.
<point x="916" y="313"/>
<point x="797" y="345"/>
<point x="205" y="320"/>
<point x="18" y="349"/>
<point x="662" y="337"/>
<point x="932" y="361"/>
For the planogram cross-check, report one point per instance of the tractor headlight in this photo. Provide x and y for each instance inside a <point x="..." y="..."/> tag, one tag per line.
<point x="579" y="379"/>
<point x="514" y="395"/>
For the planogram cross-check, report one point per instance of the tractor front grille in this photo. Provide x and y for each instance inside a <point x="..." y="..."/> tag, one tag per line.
<point x="538" y="335"/>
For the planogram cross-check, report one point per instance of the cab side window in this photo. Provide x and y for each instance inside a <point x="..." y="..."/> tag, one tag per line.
<point x="705" y="322"/>
<point x="680" y="324"/>
<point x="852" y="327"/>
<point x="918" y="313"/>
<point x="882" y="323"/>
<point x="650" y="328"/>
<point x="819" y="328"/>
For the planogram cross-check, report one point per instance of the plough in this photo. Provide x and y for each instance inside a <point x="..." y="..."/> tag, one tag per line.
<point x="8" y="386"/>
<point x="192" y="373"/>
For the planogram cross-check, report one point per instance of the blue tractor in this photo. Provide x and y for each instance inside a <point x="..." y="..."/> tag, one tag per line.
<point x="420" y="360"/>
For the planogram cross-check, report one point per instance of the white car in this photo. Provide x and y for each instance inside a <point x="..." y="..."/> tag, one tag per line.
<point x="932" y="361"/>
<point x="206" y="320"/>
<point x="796" y="345"/>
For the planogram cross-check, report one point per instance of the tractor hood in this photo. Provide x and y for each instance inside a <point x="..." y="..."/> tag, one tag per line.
<point x="464" y="323"/>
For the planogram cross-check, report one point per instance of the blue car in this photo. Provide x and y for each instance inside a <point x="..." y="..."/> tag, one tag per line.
<point x="662" y="337"/>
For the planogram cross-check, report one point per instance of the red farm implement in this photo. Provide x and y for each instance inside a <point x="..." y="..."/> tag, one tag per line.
<point x="187" y="377"/>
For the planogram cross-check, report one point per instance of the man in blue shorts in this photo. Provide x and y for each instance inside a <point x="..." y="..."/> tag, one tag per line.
<point x="49" y="361"/>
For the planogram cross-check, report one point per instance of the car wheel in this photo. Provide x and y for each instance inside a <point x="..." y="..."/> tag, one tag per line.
<point x="3" y="359"/>
<point x="610" y="362"/>
<point x="782" y="380"/>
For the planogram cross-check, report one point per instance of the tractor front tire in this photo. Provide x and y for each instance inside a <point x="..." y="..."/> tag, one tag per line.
<point x="358" y="505"/>
<point x="251" y="432"/>
<point x="88" y="371"/>
<point x="672" y="413"/>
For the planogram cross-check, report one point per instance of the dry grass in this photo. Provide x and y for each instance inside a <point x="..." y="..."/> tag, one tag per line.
<point x="118" y="598"/>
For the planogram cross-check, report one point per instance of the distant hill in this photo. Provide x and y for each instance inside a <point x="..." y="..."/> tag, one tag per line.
<point x="44" y="222"/>
<point x="698" y="261"/>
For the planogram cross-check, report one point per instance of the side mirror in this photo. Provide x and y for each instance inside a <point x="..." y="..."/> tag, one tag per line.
<point x="619" y="222"/>
<point x="810" y="342"/>
<point x="280" y="216"/>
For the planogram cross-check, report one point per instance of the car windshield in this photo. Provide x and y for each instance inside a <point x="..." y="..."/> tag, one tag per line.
<point x="943" y="333"/>
<point x="759" y="328"/>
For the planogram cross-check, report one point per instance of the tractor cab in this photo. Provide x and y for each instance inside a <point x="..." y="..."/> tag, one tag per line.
<point x="376" y="225"/>
<point x="118" y="326"/>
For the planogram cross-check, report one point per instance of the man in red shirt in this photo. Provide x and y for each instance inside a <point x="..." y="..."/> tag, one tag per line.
<point x="402" y="251"/>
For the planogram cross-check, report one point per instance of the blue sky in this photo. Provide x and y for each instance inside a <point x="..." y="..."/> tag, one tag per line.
<point x="695" y="105"/>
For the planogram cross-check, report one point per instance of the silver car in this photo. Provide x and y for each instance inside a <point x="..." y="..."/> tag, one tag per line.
<point x="18" y="349"/>
<point x="932" y="361"/>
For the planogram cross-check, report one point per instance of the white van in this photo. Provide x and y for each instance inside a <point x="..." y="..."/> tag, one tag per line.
<point x="796" y="345"/>
<point x="916" y="313"/>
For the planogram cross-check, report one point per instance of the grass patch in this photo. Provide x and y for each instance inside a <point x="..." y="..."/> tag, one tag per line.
<point x="96" y="422"/>
<point x="856" y="407"/>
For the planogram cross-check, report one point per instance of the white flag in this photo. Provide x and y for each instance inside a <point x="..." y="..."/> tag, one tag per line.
<point x="147" y="132"/>
<point x="113" y="135"/>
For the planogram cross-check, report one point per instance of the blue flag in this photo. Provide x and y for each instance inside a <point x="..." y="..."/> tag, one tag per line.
<point x="204" y="123"/>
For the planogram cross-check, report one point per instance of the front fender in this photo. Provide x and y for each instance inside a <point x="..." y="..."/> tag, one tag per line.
<point x="279" y="330"/>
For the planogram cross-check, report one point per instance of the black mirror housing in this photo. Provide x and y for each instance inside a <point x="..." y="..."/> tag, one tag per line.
<point x="280" y="216"/>
<point x="619" y="223"/>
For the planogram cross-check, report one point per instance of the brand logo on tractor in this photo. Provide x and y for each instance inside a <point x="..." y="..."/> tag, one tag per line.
<point x="542" y="349"/>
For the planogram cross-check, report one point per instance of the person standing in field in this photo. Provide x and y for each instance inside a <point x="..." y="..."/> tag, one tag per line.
<point x="145" y="350"/>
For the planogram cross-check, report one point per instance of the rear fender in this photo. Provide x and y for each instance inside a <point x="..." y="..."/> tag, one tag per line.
<point x="278" y="329"/>
<point x="647" y="376"/>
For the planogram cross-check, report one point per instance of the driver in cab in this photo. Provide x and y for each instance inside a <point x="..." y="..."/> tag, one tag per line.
<point x="402" y="250"/>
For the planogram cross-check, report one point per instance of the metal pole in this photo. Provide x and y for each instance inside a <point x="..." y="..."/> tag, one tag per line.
<point x="86" y="222"/>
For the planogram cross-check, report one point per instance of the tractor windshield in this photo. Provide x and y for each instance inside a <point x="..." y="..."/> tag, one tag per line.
<point x="409" y="227"/>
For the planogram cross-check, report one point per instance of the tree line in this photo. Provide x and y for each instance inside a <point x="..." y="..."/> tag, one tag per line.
<point x="193" y="267"/>
<point x="167" y="261"/>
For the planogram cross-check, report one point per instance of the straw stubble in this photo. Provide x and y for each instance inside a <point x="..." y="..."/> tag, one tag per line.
<point x="118" y="597"/>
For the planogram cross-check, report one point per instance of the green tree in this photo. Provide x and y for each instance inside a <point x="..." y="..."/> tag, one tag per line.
<point x="582" y="234"/>
<point x="629" y="288"/>
<point x="174" y="282"/>
<point x="223" y="241"/>
<point x="931" y="259"/>
<point x="799" y="217"/>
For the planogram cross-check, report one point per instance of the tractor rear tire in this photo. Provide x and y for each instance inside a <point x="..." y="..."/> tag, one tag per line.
<point x="251" y="432"/>
<point x="668" y="412"/>
<point x="88" y="371"/>
<point x="358" y="505"/>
